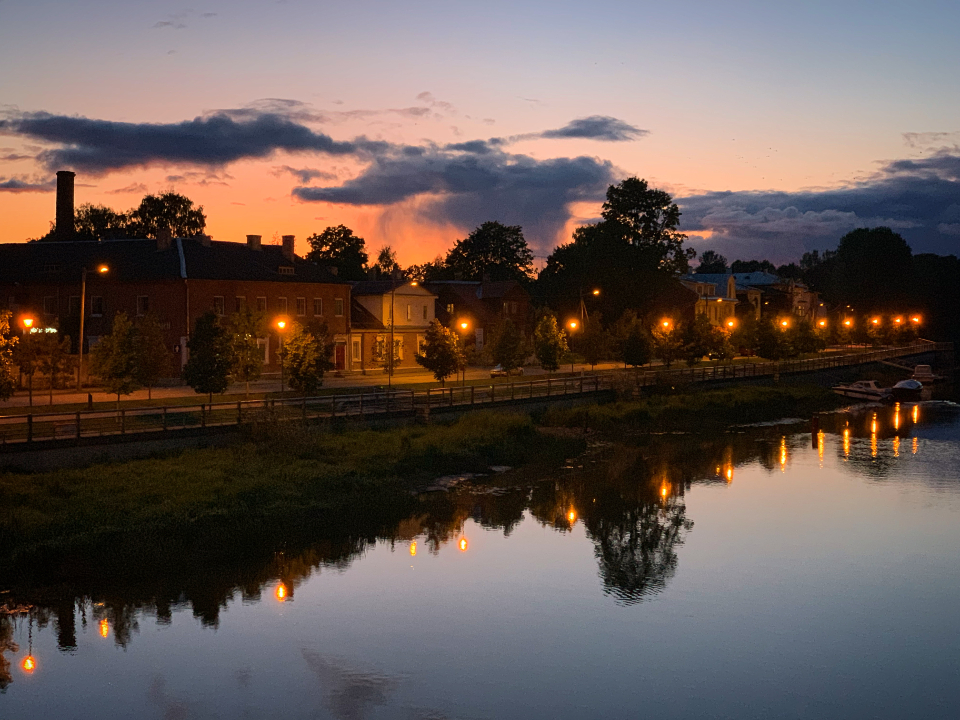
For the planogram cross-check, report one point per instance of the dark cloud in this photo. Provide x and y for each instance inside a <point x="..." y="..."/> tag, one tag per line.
<point x="597" y="127"/>
<point x="919" y="198"/>
<point x="21" y="185"/>
<point x="98" y="146"/>
<point x="14" y="157"/>
<point x="129" y="189"/>
<point x="304" y="175"/>
<point x="468" y="183"/>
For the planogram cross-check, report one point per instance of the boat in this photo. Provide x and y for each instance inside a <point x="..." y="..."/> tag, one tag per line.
<point x="907" y="390"/>
<point x="863" y="390"/>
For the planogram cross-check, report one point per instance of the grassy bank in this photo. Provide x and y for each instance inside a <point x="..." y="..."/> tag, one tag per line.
<point x="279" y="473"/>
<point x="700" y="409"/>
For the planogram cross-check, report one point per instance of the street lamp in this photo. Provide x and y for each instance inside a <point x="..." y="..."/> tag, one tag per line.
<point x="27" y="323"/>
<point x="573" y="325"/>
<point x="103" y="270"/>
<point x="463" y="326"/>
<point x="281" y="326"/>
<point x="583" y="307"/>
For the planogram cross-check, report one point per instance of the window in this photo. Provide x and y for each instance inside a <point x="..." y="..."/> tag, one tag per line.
<point x="96" y="306"/>
<point x="356" y="350"/>
<point x="301" y="306"/>
<point x="409" y="312"/>
<point x="450" y="308"/>
<point x="143" y="305"/>
<point x="218" y="305"/>
<point x="240" y="303"/>
<point x="338" y="307"/>
<point x="263" y="346"/>
<point x="282" y="304"/>
<point x="50" y="305"/>
<point x="73" y="306"/>
<point x="261" y="304"/>
<point x="318" y="306"/>
<point x="421" y="344"/>
<point x="424" y="312"/>
<point x="286" y="270"/>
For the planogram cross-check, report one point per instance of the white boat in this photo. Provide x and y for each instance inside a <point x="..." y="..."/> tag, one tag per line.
<point x="924" y="374"/>
<point x="863" y="390"/>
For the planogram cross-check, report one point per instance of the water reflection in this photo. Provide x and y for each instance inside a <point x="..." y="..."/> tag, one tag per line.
<point x="629" y="501"/>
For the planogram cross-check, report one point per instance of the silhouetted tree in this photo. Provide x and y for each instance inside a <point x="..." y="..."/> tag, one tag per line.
<point x="153" y="356"/>
<point x="8" y="345"/>
<point x="168" y="210"/>
<point x="211" y="357"/>
<point x="593" y="342"/>
<point x="307" y="357"/>
<point x="493" y="249"/>
<point x="54" y="357"/>
<point x="666" y="343"/>
<point x="387" y="261"/>
<point x="114" y="358"/>
<point x="697" y="339"/>
<point x="247" y="356"/>
<point x="711" y="262"/>
<point x="338" y="246"/>
<point x="508" y="346"/>
<point x="751" y="266"/>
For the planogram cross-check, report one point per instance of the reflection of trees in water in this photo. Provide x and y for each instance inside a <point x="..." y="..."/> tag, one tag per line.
<point x="6" y="645"/>
<point x="630" y="500"/>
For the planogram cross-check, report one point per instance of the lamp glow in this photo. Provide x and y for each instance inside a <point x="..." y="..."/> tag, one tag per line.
<point x="103" y="269"/>
<point x="28" y="322"/>
<point x="104" y="628"/>
<point x="463" y="544"/>
<point x="281" y="592"/>
<point x="29" y="664"/>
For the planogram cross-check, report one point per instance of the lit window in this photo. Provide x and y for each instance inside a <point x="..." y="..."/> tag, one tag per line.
<point x="143" y="305"/>
<point x="409" y="312"/>
<point x="338" y="307"/>
<point x="318" y="306"/>
<point x="356" y="350"/>
<point x="286" y="270"/>
<point x="301" y="306"/>
<point x="450" y="308"/>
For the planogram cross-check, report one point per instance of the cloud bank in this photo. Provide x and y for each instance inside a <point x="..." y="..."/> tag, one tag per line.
<point x="919" y="198"/>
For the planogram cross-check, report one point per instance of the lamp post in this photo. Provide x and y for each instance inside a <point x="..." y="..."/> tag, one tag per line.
<point x="463" y="325"/>
<point x="281" y="326"/>
<point x="103" y="270"/>
<point x="583" y="306"/>
<point x="573" y="325"/>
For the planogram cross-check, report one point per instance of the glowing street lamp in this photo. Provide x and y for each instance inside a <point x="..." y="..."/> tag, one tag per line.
<point x="464" y="324"/>
<point x="666" y="324"/>
<point x="822" y="323"/>
<point x="281" y="326"/>
<point x="573" y="325"/>
<point x="848" y="323"/>
<point x="915" y="319"/>
<point x="731" y="323"/>
<point x="27" y="323"/>
<point x="596" y="292"/>
<point x="784" y="324"/>
<point x="102" y="270"/>
<point x="876" y="321"/>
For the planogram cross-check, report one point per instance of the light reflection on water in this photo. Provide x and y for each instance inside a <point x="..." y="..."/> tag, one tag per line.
<point x="757" y="574"/>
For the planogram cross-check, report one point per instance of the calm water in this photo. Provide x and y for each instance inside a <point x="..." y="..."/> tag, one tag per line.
<point x="750" y="575"/>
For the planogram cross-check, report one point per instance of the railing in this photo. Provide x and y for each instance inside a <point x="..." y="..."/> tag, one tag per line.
<point x="15" y="430"/>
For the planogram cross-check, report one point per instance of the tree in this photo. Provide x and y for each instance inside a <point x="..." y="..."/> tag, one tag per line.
<point x="648" y="219"/>
<point x="307" y="356"/>
<point x="98" y="222"/>
<point x="771" y="340"/>
<point x="594" y="342"/>
<point x="549" y="343"/>
<point x="114" y="358"/>
<point x="247" y="357"/>
<point x="211" y="354"/>
<point x="711" y="262"/>
<point x="338" y="246"/>
<point x="26" y="354"/>
<point x="8" y="346"/>
<point x="508" y="346"/>
<point x="54" y="357"/>
<point x="636" y="348"/>
<point x="751" y="266"/>
<point x="436" y="269"/>
<point x="442" y="354"/>
<point x="167" y="211"/>
<point x="744" y="336"/>
<point x="153" y="356"/>
<point x="804" y="337"/>
<point x="696" y="338"/>
<point x="493" y="249"/>
<point x="387" y="262"/>
<point x="666" y="342"/>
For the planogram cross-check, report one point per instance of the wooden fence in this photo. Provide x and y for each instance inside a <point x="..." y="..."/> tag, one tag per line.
<point x="48" y="428"/>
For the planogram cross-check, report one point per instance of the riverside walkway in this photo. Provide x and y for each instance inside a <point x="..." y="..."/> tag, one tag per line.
<point x="64" y="429"/>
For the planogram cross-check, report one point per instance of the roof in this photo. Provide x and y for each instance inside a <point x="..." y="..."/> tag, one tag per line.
<point x="139" y="260"/>
<point x="713" y="278"/>
<point x="757" y="278"/>
<point x="383" y="287"/>
<point x="363" y="319"/>
<point x="483" y="290"/>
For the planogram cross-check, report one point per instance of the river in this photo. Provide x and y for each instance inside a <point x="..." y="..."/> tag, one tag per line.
<point x="760" y="573"/>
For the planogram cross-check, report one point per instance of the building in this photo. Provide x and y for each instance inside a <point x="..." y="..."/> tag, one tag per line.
<point x="482" y="306"/>
<point x="716" y="296"/>
<point x="778" y="296"/>
<point x="379" y="305"/>
<point x="176" y="281"/>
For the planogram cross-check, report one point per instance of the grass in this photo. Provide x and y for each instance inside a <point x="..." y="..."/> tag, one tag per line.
<point x="278" y="473"/>
<point x="699" y="409"/>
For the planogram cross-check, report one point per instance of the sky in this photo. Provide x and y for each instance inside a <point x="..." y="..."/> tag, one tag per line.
<point x="777" y="127"/>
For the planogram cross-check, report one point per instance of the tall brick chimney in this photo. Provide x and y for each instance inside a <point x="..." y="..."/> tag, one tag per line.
<point x="253" y="242"/>
<point x="288" y="247"/>
<point x="65" y="204"/>
<point x="164" y="239"/>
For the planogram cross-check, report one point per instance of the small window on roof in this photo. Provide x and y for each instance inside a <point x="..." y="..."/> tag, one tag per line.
<point x="286" y="270"/>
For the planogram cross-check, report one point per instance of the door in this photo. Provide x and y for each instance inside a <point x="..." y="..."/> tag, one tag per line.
<point x="340" y="359"/>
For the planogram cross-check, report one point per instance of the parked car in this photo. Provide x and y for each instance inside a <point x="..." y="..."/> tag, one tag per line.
<point x="498" y="371"/>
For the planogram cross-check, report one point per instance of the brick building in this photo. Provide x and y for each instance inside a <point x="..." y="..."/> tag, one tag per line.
<point x="482" y="305"/>
<point x="175" y="280"/>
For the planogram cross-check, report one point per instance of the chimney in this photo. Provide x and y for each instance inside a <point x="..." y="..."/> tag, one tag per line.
<point x="288" y="247"/>
<point x="204" y="240"/>
<point x="65" y="204"/>
<point x="164" y="239"/>
<point x="253" y="242"/>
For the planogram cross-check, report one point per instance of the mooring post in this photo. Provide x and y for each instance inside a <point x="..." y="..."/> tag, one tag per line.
<point x="239" y="412"/>
<point x="30" y="428"/>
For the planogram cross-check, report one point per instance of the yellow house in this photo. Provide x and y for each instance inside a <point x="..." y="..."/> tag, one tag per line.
<point x="716" y="296"/>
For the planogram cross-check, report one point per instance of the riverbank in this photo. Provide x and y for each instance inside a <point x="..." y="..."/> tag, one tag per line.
<point x="282" y="478"/>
